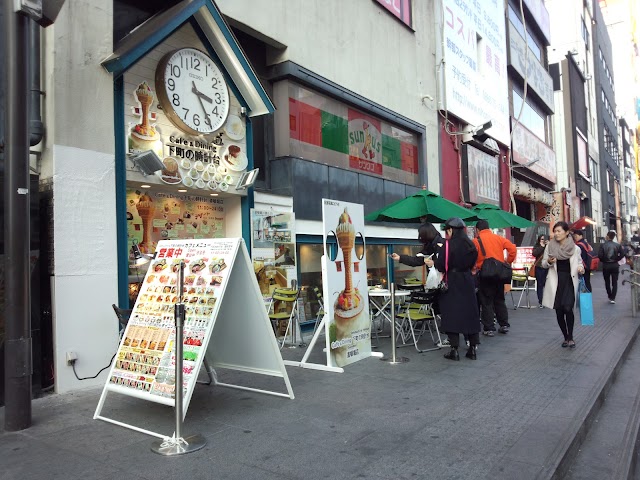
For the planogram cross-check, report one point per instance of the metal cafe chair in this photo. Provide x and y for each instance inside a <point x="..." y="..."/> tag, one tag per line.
<point x="523" y="283"/>
<point x="417" y="317"/>
<point x="320" y="313"/>
<point x="284" y="304"/>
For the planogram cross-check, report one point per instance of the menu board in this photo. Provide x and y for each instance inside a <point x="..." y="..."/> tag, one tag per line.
<point x="524" y="256"/>
<point x="225" y="321"/>
<point x="273" y="249"/>
<point x="145" y="361"/>
<point x="157" y="215"/>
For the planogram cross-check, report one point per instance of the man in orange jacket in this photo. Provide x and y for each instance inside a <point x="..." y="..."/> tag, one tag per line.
<point x="491" y="293"/>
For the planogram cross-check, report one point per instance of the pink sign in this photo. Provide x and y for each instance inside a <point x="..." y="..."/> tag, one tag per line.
<point x="401" y="9"/>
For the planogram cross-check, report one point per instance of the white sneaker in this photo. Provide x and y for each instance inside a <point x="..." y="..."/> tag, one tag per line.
<point x="612" y="301"/>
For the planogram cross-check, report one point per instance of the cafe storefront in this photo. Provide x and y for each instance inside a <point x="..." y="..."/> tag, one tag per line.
<point x="184" y="103"/>
<point x="329" y="143"/>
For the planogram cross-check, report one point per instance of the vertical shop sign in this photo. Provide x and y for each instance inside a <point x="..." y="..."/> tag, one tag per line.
<point x="348" y="332"/>
<point x="273" y="249"/>
<point x="484" y="177"/>
<point x="365" y="143"/>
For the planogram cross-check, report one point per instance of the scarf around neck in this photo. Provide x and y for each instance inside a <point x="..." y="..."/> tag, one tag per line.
<point x="562" y="251"/>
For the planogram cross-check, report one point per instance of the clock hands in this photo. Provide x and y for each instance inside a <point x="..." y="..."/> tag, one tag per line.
<point x="201" y="96"/>
<point x="199" y="93"/>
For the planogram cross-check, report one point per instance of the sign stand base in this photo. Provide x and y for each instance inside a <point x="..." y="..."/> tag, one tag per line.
<point x="178" y="446"/>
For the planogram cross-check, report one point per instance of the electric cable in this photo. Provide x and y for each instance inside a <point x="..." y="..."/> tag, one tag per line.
<point x="73" y="365"/>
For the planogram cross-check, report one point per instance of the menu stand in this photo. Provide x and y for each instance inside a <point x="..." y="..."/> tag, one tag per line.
<point x="177" y="444"/>
<point x="394" y="360"/>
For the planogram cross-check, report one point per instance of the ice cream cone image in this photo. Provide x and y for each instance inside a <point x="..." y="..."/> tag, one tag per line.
<point x="145" y="97"/>
<point x="143" y="135"/>
<point x="349" y="303"/>
<point x="146" y="209"/>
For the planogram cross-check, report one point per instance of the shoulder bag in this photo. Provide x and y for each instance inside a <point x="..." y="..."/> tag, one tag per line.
<point x="494" y="270"/>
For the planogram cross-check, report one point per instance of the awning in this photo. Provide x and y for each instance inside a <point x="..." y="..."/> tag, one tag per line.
<point x="582" y="222"/>
<point x="217" y="34"/>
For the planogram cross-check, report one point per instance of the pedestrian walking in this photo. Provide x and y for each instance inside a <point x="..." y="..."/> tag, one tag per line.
<point x="562" y="258"/>
<point x="491" y="292"/>
<point x="610" y="254"/>
<point x="458" y="306"/>
<point x="585" y="248"/>
<point x="540" y="271"/>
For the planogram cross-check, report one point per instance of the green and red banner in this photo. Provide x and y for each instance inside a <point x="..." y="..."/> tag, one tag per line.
<point x="369" y="143"/>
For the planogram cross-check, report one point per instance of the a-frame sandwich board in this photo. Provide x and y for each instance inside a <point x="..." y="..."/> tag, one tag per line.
<point x="226" y="323"/>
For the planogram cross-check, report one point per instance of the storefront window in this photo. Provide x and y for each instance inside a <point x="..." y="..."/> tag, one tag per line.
<point x="401" y="271"/>
<point x="310" y="262"/>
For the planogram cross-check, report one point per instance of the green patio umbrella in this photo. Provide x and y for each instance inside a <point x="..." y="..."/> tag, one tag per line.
<point x="498" y="218"/>
<point x="422" y="204"/>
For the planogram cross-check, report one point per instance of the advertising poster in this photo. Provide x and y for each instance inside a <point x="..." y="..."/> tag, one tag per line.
<point x="323" y="129"/>
<point x="484" y="177"/>
<point x="273" y="249"/>
<point x="155" y="216"/>
<point x="365" y="143"/>
<point x="145" y="361"/>
<point x="475" y="55"/>
<point x="524" y="257"/>
<point x="345" y="284"/>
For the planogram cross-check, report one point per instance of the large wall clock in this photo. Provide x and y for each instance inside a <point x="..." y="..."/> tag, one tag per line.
<point x="192" y="91"/>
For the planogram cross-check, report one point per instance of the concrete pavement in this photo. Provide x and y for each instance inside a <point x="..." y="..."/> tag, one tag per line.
<point x="516" y="412"/>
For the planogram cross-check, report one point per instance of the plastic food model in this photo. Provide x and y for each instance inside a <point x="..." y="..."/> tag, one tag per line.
<point x="146" y="210"/>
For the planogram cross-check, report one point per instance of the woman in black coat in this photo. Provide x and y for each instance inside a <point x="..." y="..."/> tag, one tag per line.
<point x="458" y="305"/>
<point x="541" y="273"/>
<point x="431" y="240"/>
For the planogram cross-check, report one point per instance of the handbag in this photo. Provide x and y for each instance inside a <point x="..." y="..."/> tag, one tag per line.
<point x="586" y="304"/>
<point x="494" y="270"/>
<point x="532" y="270"/>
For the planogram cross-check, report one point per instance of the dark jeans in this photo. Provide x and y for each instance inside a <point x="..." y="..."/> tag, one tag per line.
<point x="587" y="279"/>
<point x="565" y="322"/>
<point x="454" y="339"/>
<point x="491" y="296"/>
<point x="541" y="279"/>
<point x="610" y="272"/>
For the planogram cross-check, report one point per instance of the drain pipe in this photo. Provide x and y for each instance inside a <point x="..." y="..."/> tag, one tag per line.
<point x="36" y="127"/>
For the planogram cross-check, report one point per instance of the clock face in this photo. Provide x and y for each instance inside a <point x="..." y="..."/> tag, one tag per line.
<point x="192" y="91"/>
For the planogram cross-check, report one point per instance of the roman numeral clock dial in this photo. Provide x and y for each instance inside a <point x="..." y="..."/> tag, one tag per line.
<point x="192" y="91"/>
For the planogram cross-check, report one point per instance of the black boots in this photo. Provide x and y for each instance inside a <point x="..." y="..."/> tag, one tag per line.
<point x="453" y="354"/>
<point x="471" y="353"/>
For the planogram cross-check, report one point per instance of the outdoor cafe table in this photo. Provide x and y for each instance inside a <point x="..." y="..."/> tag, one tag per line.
<point x="379" y="300"/>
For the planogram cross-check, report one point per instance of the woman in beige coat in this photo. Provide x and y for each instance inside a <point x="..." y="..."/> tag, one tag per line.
<point x="562" y="258"/>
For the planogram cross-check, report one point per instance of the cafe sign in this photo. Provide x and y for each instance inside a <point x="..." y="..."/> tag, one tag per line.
<point x="527" y="148"/>
<point x="365" y="143"/>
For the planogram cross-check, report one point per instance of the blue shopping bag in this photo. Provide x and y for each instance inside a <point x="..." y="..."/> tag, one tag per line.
<point x="586" y="304"/>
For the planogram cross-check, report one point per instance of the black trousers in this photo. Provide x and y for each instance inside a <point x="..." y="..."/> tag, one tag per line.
<point x="491" y="295"/>
<point x="587" y="279"/>
<point x="610" y="272"/>
<point x="454" y="339"/>
<point x="541" y="280"/>
<point x="565" y="322"/>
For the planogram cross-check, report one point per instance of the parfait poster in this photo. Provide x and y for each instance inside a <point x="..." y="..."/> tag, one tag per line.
<point x="345" y="283"/>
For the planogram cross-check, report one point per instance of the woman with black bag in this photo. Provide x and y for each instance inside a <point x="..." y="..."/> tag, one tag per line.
<point x="458" y="306"/>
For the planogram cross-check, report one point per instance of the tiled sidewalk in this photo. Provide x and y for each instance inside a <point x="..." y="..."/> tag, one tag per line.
<point x="505" y="415"/>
